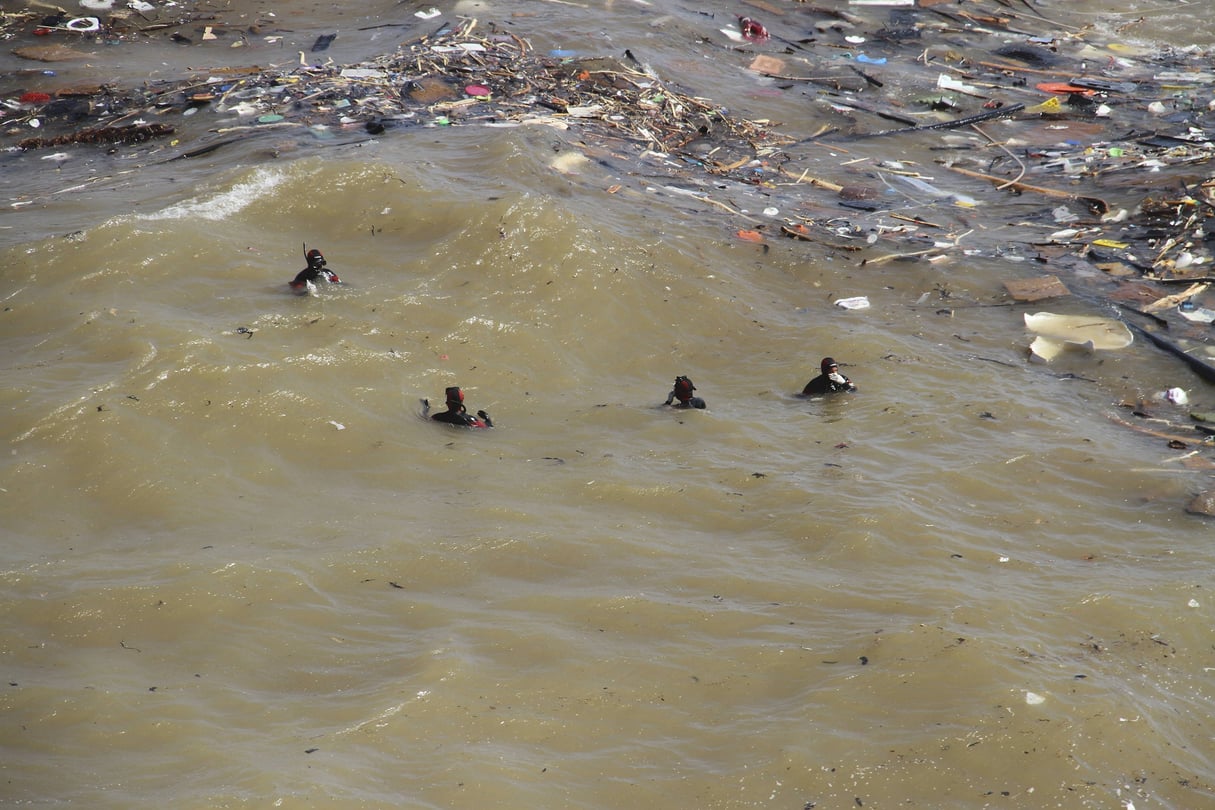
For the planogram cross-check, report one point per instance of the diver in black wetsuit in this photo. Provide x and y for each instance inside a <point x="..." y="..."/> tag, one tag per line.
<point x="305" y="281"/>
<point x="456" y="413"/>
<point x="830" y="381"/>
<point x="683" y="392"/>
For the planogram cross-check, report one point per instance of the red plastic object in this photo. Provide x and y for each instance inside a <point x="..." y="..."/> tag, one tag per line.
<point x="34" y="98"/>
<point x="751" y="30"/>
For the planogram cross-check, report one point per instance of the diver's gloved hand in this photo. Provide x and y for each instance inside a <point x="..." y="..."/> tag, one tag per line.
<point x="485" y="418"/>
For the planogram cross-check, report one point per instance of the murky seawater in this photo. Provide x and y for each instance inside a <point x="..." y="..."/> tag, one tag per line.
<point x="240" y="570"/>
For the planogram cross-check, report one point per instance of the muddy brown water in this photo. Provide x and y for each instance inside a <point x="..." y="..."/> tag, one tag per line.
<point x="241" y="571"/>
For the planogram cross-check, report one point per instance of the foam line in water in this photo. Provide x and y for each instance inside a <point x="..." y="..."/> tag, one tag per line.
<point x="261" y="183"/>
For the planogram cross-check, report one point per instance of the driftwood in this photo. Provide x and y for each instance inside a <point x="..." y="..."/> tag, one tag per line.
<point x="1003" y="112"/>
<point x="1095" y="204"/>
<point x="1170" y="301"/>
<point x="130" y="134"/>
<point x="1159" y="434"/>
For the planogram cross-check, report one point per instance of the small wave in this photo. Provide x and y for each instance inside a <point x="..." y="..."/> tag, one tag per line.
<point x="226" y="203"/>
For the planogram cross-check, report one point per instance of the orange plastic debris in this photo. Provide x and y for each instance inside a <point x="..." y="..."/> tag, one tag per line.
<point x="1063" y="88"/>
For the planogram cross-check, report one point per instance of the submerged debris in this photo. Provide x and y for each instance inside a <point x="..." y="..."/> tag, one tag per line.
<point x="129" y="134"/>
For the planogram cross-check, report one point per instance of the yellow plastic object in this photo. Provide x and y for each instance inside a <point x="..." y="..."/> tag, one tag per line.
<point x="1051" y="106"/>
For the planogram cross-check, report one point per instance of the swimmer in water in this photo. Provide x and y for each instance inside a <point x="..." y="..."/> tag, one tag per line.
<point x="830" y="381"/>
<point x="304" y="282"/>
<point x="456" y="413"/>
<point x="683" y="392"/>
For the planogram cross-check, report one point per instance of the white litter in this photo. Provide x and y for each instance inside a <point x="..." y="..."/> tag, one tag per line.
<point x="857" y="302"/>
<point x="1056" y="332"/>
<point x="945" y="82"/>
<point x="463" y="47"/>
<point x="1198" y="314"/>
<point x="1177" y="396"/>
<point x="83" y="25"/>
<point x="362" y="73"/>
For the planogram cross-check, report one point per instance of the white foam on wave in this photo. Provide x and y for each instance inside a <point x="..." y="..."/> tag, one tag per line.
<point x="224" y="204"/>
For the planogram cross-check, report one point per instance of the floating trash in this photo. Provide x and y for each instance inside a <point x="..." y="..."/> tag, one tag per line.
<point x="362" y="73"/>
<point x="752" y="31"/>
<point x="945" y="82"/>
<point x="1057" y="332"/>
<point x="1052" y="106"/>
<point x="1177" y="396"/>
<point x="856" y="302"/>
<point x="1194" y="313"/>
<point x="83" y="25"/>
<point x="463" y="47"/>
<point x="569" y="162"/>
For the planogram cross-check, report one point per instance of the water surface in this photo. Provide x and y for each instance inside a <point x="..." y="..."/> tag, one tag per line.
<point x="240" y="570"/>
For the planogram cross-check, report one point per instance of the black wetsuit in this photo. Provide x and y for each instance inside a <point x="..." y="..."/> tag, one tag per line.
<point x="823" y="384"/>
<point x="314" y="273"/>
<point x="694" y="402"/>
<point x="463" y="418"/>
